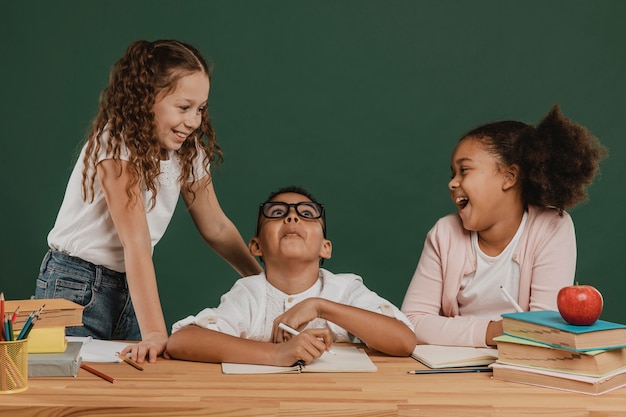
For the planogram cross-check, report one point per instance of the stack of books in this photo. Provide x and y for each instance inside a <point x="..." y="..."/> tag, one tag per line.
<point x="49" y="353"/>
<point x="540" y="348"/>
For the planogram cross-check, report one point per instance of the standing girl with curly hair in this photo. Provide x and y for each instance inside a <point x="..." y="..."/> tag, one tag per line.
<point x="151" y="141"/>
<point x="511" y="183"/>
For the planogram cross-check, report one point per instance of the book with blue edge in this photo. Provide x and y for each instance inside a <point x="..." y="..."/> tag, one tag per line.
<point x="547" y="326"/>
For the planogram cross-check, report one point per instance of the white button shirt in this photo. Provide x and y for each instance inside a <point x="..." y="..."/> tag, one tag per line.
<point x="248" y="310"/>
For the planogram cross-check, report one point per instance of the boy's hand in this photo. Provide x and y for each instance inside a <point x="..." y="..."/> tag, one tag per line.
<point x="306" y="347"/>
<point x="296" y="317"/>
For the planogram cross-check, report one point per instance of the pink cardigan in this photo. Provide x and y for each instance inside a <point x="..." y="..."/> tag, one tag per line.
<point x="546" y="254"/>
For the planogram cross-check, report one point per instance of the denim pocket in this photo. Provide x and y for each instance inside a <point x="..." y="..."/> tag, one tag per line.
<point x="61" y="280"/>
<point x="75" y="291"/>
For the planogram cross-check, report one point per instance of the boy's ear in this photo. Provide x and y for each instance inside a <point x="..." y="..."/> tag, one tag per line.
<point x="511" y="177"/>
<point x="327" y="249"/>
<point x="255" y="247"/>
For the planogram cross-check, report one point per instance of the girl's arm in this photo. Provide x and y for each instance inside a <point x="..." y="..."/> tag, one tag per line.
<point x="216" y="228"/>
<point x="383" y="333"/>
<point x="132" y="228"/>
<point x="423" y="301"/>
<point x="195" y="343"/>
<point x="552" y="264"/>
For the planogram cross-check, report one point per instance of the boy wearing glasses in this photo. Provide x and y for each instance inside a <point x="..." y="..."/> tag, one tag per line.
<point x="323" y="307"/>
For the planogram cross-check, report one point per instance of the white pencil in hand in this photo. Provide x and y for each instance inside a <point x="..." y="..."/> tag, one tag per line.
<point x="511" y="300"/>
<point x="294" y="332"/>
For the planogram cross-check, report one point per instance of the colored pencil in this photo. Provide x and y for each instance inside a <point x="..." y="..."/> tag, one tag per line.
<point x="130" y="361"/>
<point x="98" y="373"/>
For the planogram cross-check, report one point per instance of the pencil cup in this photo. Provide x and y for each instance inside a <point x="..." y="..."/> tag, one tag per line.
<point x="13" y="366"/>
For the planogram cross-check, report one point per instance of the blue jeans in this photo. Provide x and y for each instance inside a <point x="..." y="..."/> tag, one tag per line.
<point x="108" y="312"/>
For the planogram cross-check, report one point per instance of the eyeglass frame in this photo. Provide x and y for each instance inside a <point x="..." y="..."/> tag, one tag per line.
<point x="295" y="207"/>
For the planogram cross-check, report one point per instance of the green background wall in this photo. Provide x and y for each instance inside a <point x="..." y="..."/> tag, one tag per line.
<point x="361" y="102"/>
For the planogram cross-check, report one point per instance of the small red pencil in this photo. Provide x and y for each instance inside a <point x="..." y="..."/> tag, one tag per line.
<point x="15" y="313"/>
<point x="98" y="373"/>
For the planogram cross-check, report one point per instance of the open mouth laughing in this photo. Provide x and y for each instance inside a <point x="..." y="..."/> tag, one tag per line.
<point x="461" y="201"/>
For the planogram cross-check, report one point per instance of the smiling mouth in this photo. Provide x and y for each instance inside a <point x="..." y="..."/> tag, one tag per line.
<point x="461" y="202"/>
<point x="181" y="135"/>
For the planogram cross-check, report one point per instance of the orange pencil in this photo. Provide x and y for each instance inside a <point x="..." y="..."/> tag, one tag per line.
<point x="130" y="361"/>
<point x="98" y="373"/>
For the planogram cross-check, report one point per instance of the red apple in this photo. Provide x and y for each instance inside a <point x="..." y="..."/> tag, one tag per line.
<point x="579" y="304"/>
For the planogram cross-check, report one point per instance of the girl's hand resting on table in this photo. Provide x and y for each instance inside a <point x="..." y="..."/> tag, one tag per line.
<point x="149" y="348"/>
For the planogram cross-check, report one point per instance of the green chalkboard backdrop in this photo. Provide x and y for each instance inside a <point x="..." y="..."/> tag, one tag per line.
<point x="359" y="101"/>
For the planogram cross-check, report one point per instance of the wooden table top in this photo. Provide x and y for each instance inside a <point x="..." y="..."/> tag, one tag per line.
<point x="178" y="388"/>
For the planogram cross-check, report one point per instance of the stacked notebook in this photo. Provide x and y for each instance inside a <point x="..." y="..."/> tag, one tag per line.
<point x="540" y="348"/>
<point x="49" y="353"/>
<point x="438" y="357"/>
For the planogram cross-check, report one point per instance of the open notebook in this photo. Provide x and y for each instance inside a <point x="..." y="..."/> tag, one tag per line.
<point x="435" y="356"/>
<point x="95" y="350"/>
<point x="345" y="359"/>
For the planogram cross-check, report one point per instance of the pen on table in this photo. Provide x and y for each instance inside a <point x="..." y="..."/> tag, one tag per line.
<point x="130" y="361"/>
<point x="450" y="371"/>
<point x="511" y="300"/>
<point x="294" y="332"/>
<point x="98" y="373"/>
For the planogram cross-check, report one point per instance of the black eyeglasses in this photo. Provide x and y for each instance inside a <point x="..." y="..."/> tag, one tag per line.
<point x="306" y="210"/>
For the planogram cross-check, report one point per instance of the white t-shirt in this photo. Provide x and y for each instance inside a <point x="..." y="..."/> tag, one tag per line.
<point x="86" y="230"/>
<point x="480" y="294"/>
<point x="248" y="310"/>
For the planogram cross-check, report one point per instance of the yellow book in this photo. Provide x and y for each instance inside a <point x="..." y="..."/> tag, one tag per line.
<point x="47" y="340"/>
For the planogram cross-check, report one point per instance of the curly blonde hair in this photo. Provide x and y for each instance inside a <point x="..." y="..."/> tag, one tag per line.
<point x="126" y="113"/>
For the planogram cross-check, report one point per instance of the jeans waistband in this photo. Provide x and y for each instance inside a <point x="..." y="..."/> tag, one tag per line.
<point x="99" y="271"/>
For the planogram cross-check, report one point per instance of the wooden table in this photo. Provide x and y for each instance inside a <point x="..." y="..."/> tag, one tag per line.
<point x="176" y="388"/>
